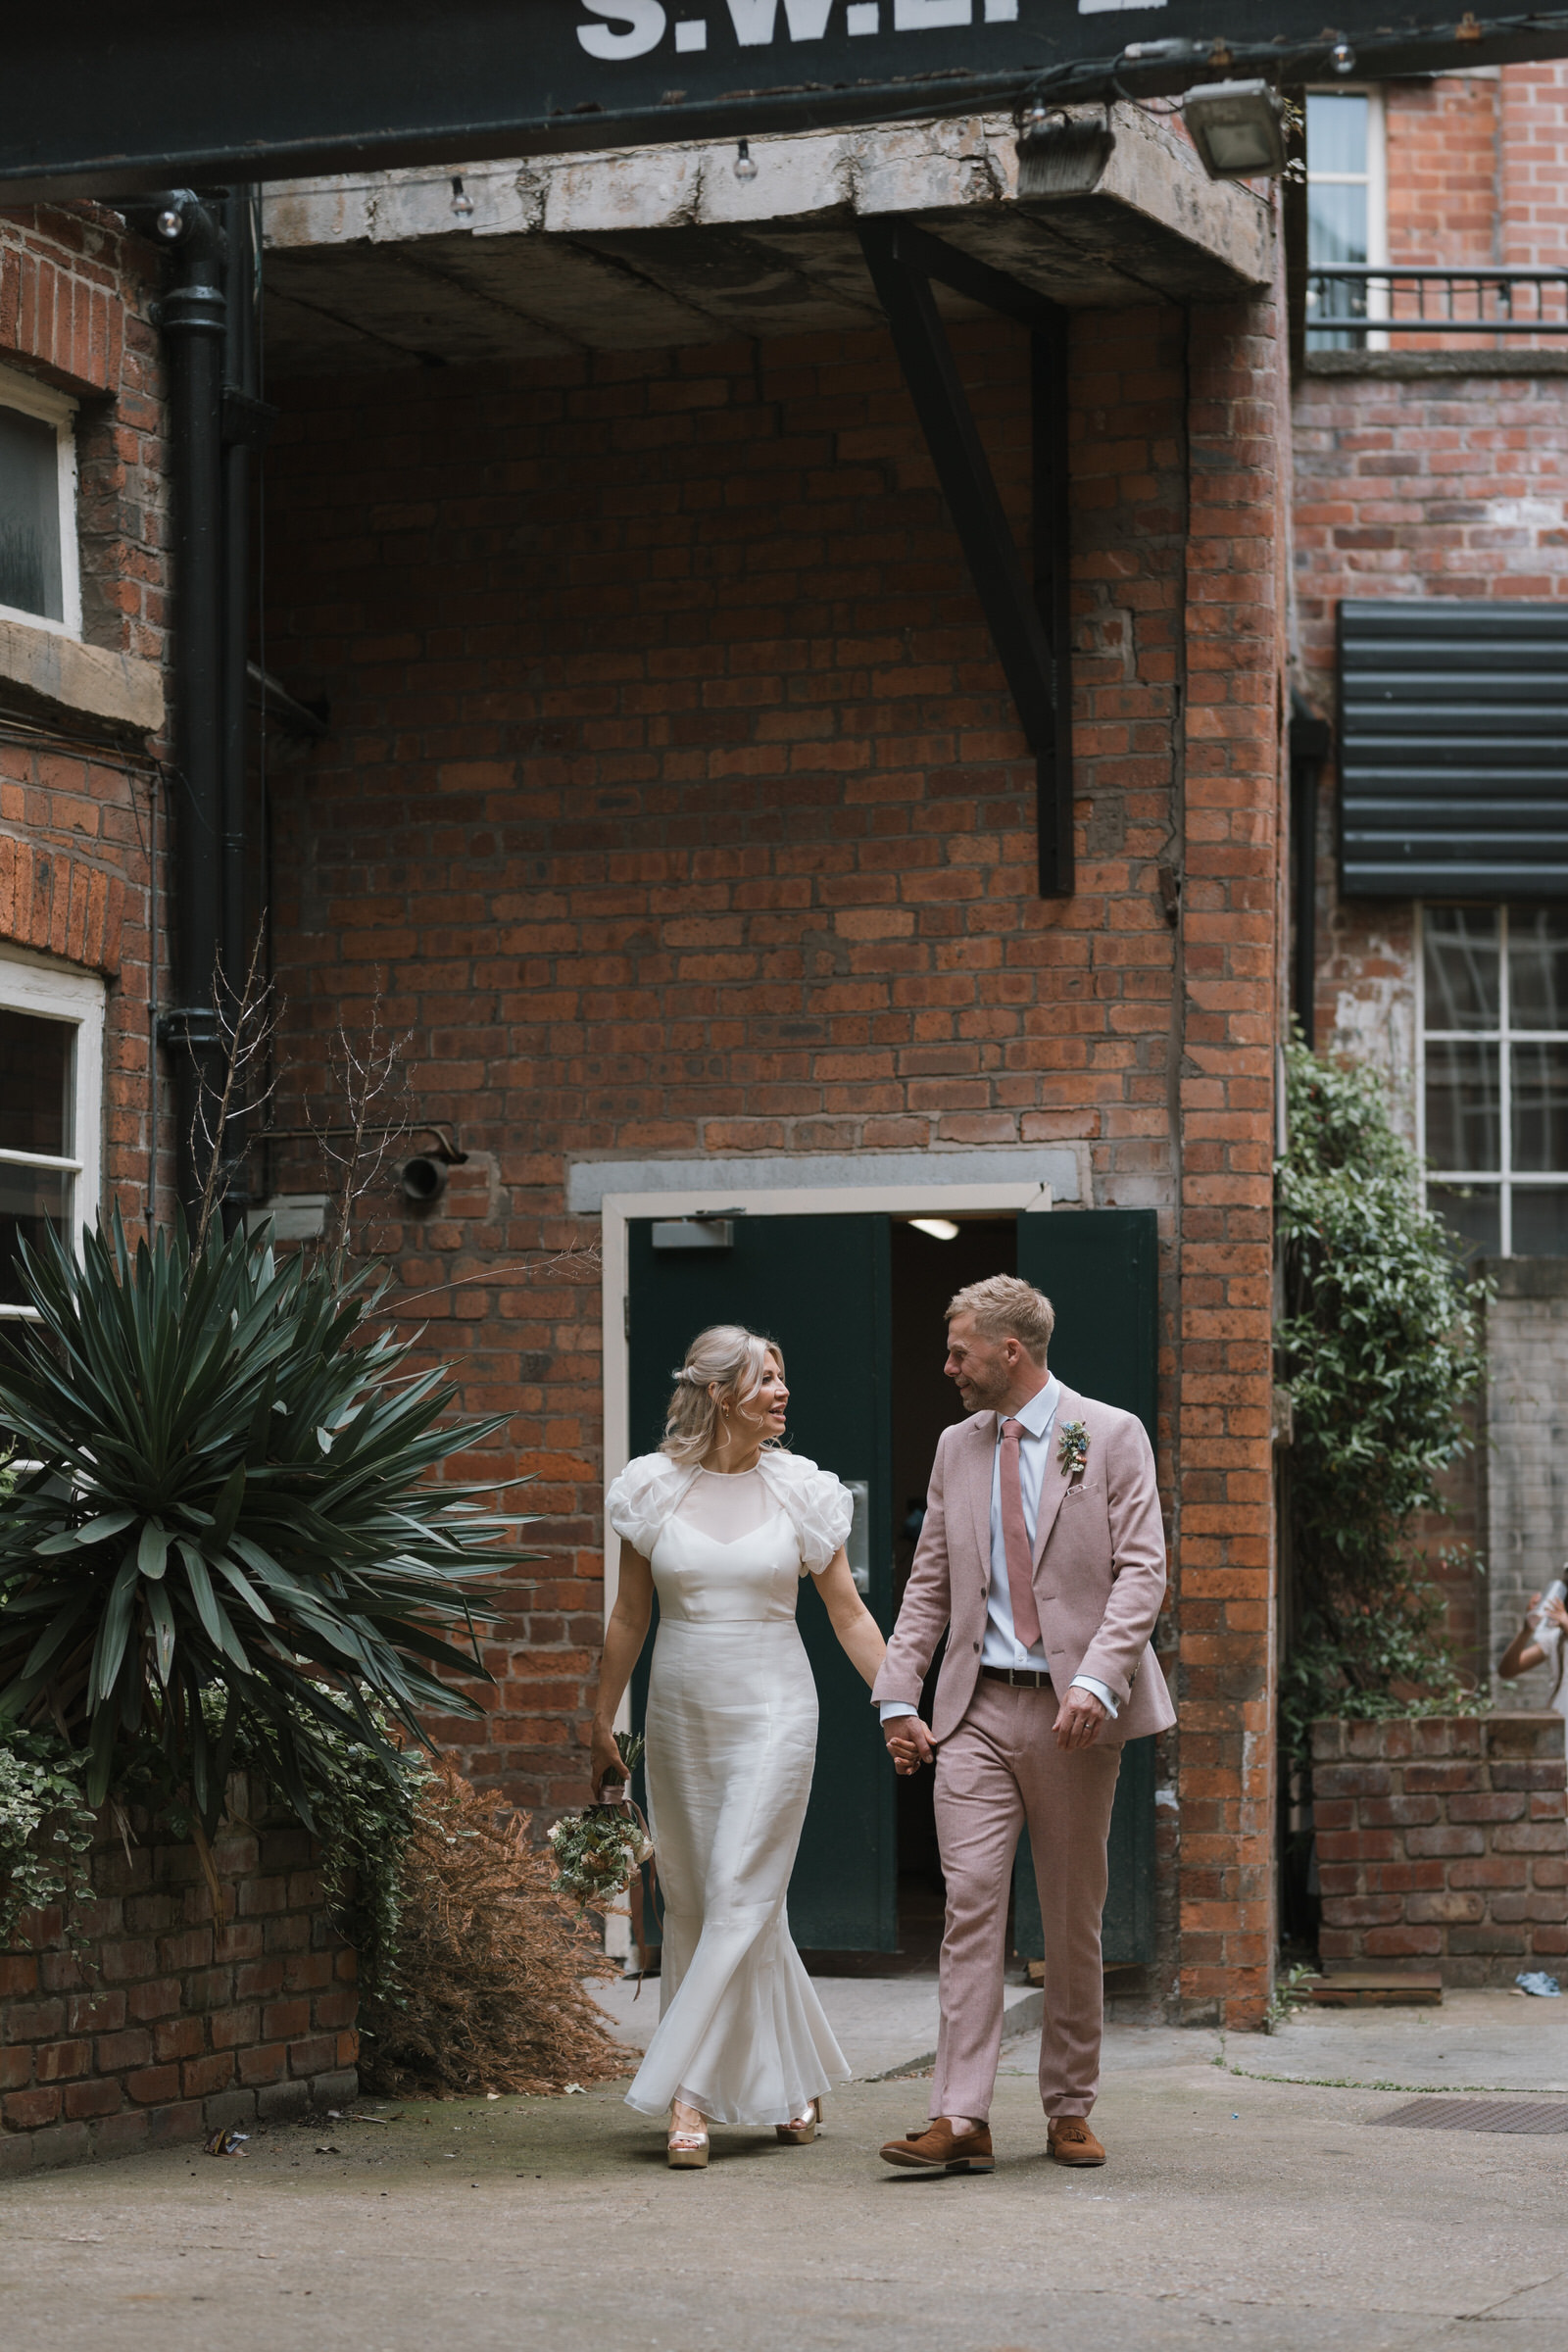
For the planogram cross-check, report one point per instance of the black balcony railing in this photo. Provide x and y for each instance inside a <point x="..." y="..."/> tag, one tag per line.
<point x="1348" y="301"/>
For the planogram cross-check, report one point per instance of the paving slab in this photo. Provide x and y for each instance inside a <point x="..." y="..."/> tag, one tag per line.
<point x="1483" y="2041"/>
<point x="1264" y="2216"/>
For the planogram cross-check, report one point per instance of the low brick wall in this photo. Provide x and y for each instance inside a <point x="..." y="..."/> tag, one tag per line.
<point x="164" y="2026"/>
<point x="1442" y="1843"/>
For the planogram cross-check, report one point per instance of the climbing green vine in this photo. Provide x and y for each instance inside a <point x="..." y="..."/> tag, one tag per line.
<point x="1381" y="1347"/>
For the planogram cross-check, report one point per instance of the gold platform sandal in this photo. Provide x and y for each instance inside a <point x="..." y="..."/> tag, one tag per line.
<point x="803" y="2129"/>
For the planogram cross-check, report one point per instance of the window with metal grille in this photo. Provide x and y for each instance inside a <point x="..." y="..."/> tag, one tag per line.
<point x="1495" y="1075"/>
<point x="51" y="1080"/>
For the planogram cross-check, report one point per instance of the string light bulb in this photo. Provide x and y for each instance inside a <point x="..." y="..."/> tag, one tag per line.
<point x="745" y="164"/>
<point x="462" y="201"/>
<point x="171" y="222"/>
<point x="1341" y="57"/>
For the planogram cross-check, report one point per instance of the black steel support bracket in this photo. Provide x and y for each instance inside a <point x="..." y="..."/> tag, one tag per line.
<point x="1028" y="619"/>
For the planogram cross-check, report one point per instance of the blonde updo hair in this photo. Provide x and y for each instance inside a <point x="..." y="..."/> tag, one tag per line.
<point x="728" y="1357"/>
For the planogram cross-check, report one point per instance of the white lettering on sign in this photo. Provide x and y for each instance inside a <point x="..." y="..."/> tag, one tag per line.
<point x="754" y="20"/>
<point x="644" y="21"/>
<point x="635" y="26"/>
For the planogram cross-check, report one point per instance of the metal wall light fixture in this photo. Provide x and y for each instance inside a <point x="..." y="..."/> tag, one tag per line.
<point x="1238" y="128"/>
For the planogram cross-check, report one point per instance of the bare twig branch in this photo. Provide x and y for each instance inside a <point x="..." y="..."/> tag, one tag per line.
<point x="577" y="1264"/>
<point x="367" y="1076"/>
<point x="247" y="1023"/>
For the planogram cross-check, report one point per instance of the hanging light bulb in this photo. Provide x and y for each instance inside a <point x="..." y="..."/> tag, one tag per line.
<point x="171" y="222"/>
<point x="745" y="168"/>
<point x="462" y="201"/>
<point x="1341" y="57"/>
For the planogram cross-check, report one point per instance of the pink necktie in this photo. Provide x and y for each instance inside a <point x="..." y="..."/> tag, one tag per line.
<point x="1015" y="1541"/>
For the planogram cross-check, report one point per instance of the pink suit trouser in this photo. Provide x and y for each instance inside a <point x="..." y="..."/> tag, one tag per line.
<point x="1000" y="1768"/>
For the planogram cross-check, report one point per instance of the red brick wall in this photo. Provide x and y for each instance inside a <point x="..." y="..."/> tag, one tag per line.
<point x="1441" y="151"/>
<point x="674" y="797"/>
<point x="163" y="2027"/>
<point x="1442" y="1843"/>
<point x="77" y="814"/>
<point x="1533" y="118"/>
<point x="1237" y="582"/>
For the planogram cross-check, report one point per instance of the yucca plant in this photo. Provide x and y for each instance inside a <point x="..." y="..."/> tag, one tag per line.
<point x="230" y="1520"/>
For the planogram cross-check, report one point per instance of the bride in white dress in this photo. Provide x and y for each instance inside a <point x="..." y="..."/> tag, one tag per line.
<point x="725" y="1524"/>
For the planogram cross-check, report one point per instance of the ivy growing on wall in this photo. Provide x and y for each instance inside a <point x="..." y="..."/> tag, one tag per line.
<point x="1382" y="1350"/>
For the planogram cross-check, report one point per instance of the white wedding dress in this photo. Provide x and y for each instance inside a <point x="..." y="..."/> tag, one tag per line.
<point x="731" y="1730"/>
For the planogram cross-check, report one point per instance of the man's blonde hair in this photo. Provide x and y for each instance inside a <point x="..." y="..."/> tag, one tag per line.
<point x="1006" y="1307"/>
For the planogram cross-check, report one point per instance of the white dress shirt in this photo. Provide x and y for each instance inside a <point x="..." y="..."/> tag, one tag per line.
<point x="1001" y="1645"/>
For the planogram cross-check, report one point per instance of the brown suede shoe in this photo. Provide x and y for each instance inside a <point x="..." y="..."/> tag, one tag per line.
<point x="934" y="2149"/>
<point x="1071" y="2141"/>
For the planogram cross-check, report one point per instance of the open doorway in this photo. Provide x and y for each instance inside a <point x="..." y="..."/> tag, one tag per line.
<point x="931" y="1259"/>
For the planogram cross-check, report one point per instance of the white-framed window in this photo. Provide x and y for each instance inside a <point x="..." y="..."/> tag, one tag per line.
<point x="51" y="1110"/>
<point x="1347" y="211"/>
<point x="1494" y="1078"/>
<point x="41" y="579"/>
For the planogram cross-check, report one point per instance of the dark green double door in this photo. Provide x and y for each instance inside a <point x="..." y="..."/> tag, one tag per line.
<point x="821" y="1287"/>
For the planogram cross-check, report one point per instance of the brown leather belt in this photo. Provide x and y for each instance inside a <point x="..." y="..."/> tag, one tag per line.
<point x="1023" y="1677"/>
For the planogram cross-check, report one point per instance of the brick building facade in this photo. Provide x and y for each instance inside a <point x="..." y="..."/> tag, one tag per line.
<point x="673" y="805"/>
<point x="82" y="687"/>
<point x="675" y="802"/>
<point x="1436" y="467"/>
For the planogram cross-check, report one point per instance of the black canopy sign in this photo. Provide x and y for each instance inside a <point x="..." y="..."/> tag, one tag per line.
<point x="100" y="97"/>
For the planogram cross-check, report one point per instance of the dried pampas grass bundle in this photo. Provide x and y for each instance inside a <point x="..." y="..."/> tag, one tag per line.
<point x="490" y="1962"/>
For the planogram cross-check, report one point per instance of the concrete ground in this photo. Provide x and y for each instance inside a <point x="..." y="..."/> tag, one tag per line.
<point x="1255" y="2202"/>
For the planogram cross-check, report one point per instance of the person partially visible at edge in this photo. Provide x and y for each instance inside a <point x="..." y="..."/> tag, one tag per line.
<point x="725" y="1524"/>
<point x="1541" y="1641"/>
<point x="1042" y="1557"/>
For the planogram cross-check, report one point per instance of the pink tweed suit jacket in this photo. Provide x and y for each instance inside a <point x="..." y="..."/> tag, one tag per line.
<point x="1098" y="1571"/>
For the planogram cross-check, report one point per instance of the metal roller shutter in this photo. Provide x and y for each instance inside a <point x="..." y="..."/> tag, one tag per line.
<point x="1453" y="750"/>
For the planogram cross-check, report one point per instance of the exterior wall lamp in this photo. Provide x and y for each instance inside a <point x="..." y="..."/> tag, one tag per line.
<point x="1238" y="128"/>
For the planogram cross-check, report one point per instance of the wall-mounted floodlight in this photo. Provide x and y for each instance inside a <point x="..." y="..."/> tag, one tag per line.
<point x="1238" y="128"/>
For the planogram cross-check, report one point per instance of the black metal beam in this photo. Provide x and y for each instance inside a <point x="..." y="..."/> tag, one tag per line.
<point x="1027" y="617"/>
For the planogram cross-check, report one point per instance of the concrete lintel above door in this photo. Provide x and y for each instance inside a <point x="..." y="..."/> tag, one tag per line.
<point x="1023" y="1169"/>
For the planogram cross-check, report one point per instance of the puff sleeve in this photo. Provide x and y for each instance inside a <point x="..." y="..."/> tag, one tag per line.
<point x="643" y="1496"/>
<point x="820" y="1508"/>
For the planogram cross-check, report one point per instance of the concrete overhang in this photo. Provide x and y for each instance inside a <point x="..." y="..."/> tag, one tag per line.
<point x="648" y="248"/>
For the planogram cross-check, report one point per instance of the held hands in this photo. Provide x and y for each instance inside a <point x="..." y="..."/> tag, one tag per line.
<point x="1078" y="1718"/>
<point x="909" y="1744"/>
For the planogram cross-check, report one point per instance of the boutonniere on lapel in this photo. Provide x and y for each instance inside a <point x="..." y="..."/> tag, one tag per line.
<point x="1072" y="1453"/>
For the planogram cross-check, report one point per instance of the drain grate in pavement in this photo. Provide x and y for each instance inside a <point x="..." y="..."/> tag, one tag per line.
<point x="1537" y="2115"/>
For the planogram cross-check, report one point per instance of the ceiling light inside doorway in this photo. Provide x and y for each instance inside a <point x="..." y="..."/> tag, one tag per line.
<point x="1238" y="128"/>
<point x="940" y="1229"/>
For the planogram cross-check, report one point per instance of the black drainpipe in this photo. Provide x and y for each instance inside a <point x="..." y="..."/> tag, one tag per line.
<point x="194" y="323"/>
<point x="1311" y="741"/>
<point x="215" y="418"/>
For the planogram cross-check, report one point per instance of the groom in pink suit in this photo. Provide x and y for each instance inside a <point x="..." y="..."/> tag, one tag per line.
<point x="1044" y="1559"/>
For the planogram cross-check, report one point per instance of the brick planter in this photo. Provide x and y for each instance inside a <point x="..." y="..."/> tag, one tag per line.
<point x="163" y="2027"/>
<point x="1442" y="1843"/>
